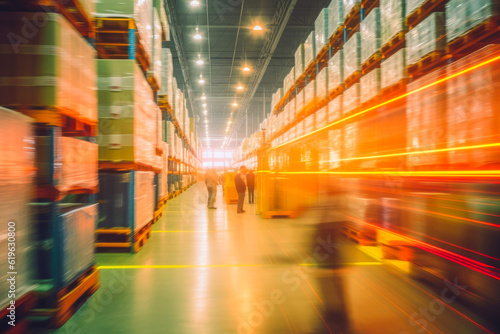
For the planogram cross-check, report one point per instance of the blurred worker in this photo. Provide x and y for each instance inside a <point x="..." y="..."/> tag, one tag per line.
<point x="251" y="187"/>
<point x="329" y="250"/>
<point x="212" y="181"/>
<point x="240" y="181"/>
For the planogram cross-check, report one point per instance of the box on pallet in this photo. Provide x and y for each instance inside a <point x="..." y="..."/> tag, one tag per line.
<point x="463" y="15"/>
<point x="349" y="6"/>
<point x="473" y="114"/>
<point x="351" y="98"/>
<point x="126" y="199"/>
<point x="392" y="18"/>
<point x="321" y="31"/>
<point x="413" y="5"/>
<point x="322" y="84"/>
<point x="370" y="85"/>
<point x="300" y="101"/>
<point x="321" y="117"/>
<point x="350" y="141"/>
<point x="66" y="163"/>
<point x="427" y="37"/>
<point x="335" y="16"/>
<point x="300" y="60"/>
<point x="160" y="6"/>
<point x="352" y="55"/>
<point x="289" y="80"/>
<point x="310" y="49"/>
<point x="336" y="71"/>
<point x="140" y="11"/>
<point x="155" y="70"/>
<point x="310" y="93"/>
<point x="310" y="124"/>
<point x="16" y="182"/>
<point x="335" y="148"/>
<point x="56" y="69"/>
<point x="393" y="69"/>
<point x="371" y="37"/>
<point x="335" y="109"/>
<point x="425" y="115"/>
<point x="127" y="113"/>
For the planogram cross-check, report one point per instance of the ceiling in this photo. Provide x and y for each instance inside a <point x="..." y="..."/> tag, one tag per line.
<point x="226" y="45"/>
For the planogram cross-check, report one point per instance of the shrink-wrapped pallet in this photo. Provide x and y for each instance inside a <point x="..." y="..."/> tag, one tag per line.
<point x="334" y="148"/>
<point x="170" y="137"/>
<point x="289" y="80"/>
<point x="321" y="117"/>
<point x="336" y="71"/>
<point x="350" y="141"/>
<point x="167" y="73"/>
<point x="300" y="101"/>
<point x="413" y="5"/>
<point x="370" y="35"/>
<point x="16" y="182"/>
<point x="427" y="37"/>
<point x="335" y="16"/>
<point x="160" y="6"/>
<point x="78" y="236"/>
<point x="393" y="69"/>
<point x="352" y="55"/>
<point x="351" y="98"/>
<point x="144" y="199"/>
<point x="425" y="114"/>
<point x="55" y="68"/>
<point x="463" y="15"/>
<point x="300" y="60"/>
<point x="321" y="29"/>
<point x="473" y="114"/>
<point x="310" y="49"/>
<point x="293" y="109"/>
<point x="322" y="84"/>
<point x="310" y="124"/>
<point x="392" y="18"/>
<point x="139" y="10"/>
<point x="370" y="85"/>
<point x="286" y="115"/>
<point x="335" y="109"/>
<point x="127" y="114"/>
<point x="310" y="93"/>
<point x="349" y="5"/>
<point x="155" y="70"/>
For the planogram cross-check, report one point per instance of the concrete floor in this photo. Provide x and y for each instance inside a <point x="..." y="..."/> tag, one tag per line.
<point x="213" y="271"/>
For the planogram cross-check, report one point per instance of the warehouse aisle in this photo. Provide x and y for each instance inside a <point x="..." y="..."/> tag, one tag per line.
<point x="218" y="272"/>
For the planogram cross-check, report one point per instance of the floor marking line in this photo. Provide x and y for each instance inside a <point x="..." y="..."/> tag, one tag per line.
<point x="190" y="231"/>
<point x="345" y="264"/>
<point x="181" y="266"/>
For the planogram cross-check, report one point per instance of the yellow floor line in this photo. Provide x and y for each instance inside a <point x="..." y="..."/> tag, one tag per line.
<point x="181" y="266"/>
<point x="189" y="231"/>
<point x="346" y="264"/>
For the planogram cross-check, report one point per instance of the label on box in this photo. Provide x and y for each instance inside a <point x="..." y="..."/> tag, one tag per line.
<point x="115" y="84"/>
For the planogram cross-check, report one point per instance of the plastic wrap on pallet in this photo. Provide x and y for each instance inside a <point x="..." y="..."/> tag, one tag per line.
<point x="335" y="109"/>
<point x="300" y="101"/>
<point x="78" y="234"/>
<point x="336" y="71"/>
<point x="144" y="199"/>
<point x="289" y="80"/>
<point x="286" y="115"/>
<point x="321" y="117"/>
<point x="310" y="49"/>
<point x="167" y="73"/>
<point x="16" y="181"/>
<point x="352" y="55"/>
<point x="156" y="64"/>
<point x="371" y="37"/>
<point x="350" y="141"/>
<point x="370" y="85"/>
<point x="351" y="98"/>
<point x="310" y="92"/>
<point x="310" y="124"/>
<point x="392" y="18"/>
<point x="425" y="117"/>
<point x="300" y="66"/>
<point x="335" y="16"/>
<point x="413" y="5"/>
<point x="127" y="114"/>
<point x="428" y="36"/>
<point x="322" y="84"/>
<point x="334" y="148"/>
<point x="88" y="7"/>
<point x="473" y="113"/>
<point x="170" y="137"/>
<point x="140" y="11"/>
<point x="159" y="4"/>
<point x="394" y="69"/>
<point x="292" y="109"/>
<point x="463" y="15"/>
<point x="349" y="6"/>
<point x="322" y="35"/>
<point x="56" y="69"/>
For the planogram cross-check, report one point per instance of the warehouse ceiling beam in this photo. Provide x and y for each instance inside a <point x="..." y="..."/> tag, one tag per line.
<point x="176" y="30"/>
<point x="273" y="36"/>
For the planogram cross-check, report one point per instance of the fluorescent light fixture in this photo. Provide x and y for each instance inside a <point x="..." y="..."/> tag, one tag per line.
<point x="257" y="28"/>
<point x="194" y="3"/>
<point x="240" y="87"/>
<point x="201" y="81"/>
<point x="197" y="36"/>
<point x="246" y="69"/>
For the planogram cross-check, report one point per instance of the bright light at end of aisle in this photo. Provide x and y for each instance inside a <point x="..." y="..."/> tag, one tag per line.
<point x="194" y="3"/>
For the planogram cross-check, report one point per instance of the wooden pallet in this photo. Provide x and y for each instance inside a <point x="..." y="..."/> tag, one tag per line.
<point x="357" y="236"/>
<point x="352" y="79"/>
<point x="113" y="41"/>
<point x="372" y="102"/>
<point x="155" y="85"/>
<point x="398" y="250"/>
<point x="127" y="166"/>
<point x="51" y="193"/>
<point x="369" y="5"/>
<point x="426" y="64"/>
<point x="69" y="299"/>
<point x="336" y="92"/>
<point x="337" y="38"/>
<point x="23" y="306"/>
<point x="71" y="123"/>
<point x="279" y="214"/>
<point x="371" y="63"/>
<point x="157" y="216"/>
<point x="396" y="89"/>
<point x="353" y="19"/>
<point x="113" y="239"/>
<point x="421" y="13"/>
<point x="485" y="33"/>
<point x="397" y="43"/>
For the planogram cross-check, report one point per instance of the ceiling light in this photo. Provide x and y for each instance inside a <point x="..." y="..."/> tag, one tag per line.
<point x="204" y="97"/>
<point x="240" y="87"/>
<point x="246" y="69"/>
<point x="197" y="36"/>
<point x="200" y="62"/>
<point x="195" y="3"/>
<point x="235" y="104"/>
<point x="204" y="104"/>
<point x="201" y="81"/>
<point x="257" y="28"/>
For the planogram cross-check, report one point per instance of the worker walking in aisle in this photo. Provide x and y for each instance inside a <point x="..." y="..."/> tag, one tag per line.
<point x="212" y="182"/>
<point x="251" y="187"/>
<point x="240" y="182"/>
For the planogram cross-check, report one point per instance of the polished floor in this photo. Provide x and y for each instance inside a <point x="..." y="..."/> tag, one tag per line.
<point x="216" y="272"/>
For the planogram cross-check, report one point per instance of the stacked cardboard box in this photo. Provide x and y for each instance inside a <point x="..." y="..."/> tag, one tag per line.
<point x="463" y="15"/>
<point x="336" y="70"/>
<point x="392" y="18"/>
<point x="352" y="55"/>
<point x="351" y="98"/>
<point x="335" y="15"/>
<point x="321" y="29"/>
<point x="394" y="69"/>
<point x="370" y="85"/>
<point x="370" y="35"/>
<point x="428" y="36"/>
